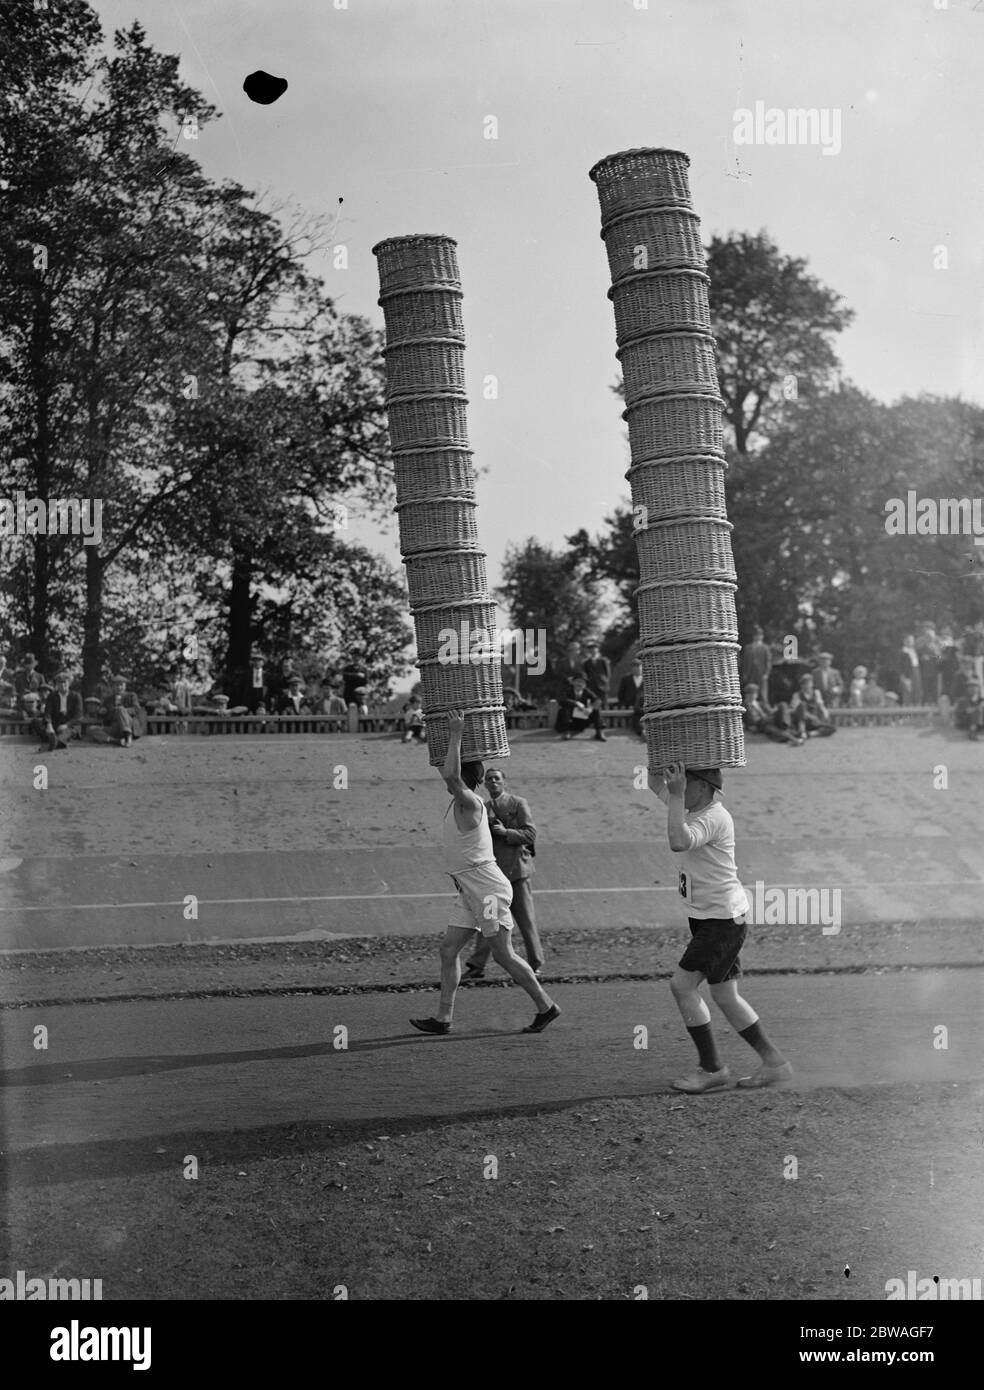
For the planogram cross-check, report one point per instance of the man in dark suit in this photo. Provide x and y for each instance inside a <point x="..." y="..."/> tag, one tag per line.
<point x="631" y="695"/>
<point x="598" y="673"/>
<point x="62" y="714"/>
<point x="513" y="844"/>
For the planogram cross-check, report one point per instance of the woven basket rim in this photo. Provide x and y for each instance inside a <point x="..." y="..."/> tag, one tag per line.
<point x="702" y="457"/>
<point x="692" y="709"/>
<point x="414" y="238"/>
<point x="423" y="342"/>
<point x="642" y="210"/>
<point x="452" y="287"/>
<point x="666" y="333"/>
<point x="664" y="397"/>
<point x="468" y="498"/>
<point x="444" y="711"/>
<point x="447" y="449"/>
<point x="687" y="646"/>
<point x="455" y="603"/>
<point x="681" y="583"/>
<point x="627" y="154"/>
<point x="449" y="550"/>
<point x="465" y="665"/>
<point x="684" y="521"/>
<point x="656" y="275"/>
<point x="409" y="397"/>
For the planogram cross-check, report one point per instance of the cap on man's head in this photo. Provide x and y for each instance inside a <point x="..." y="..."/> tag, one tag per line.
<point x="295" y="680"/>
<point x="825" y="656"/>
<point x="711" y="775"/>
<point x="749" y="685"/>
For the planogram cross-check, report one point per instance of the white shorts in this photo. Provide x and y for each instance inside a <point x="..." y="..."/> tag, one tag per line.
<point x="483" y="902"/>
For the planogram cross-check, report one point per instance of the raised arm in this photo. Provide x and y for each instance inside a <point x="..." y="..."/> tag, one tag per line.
<point x="467" y="806"/>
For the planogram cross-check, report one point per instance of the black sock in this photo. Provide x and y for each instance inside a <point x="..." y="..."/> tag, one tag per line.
<point x="706" y="1047"/>
<point x="754" y="1035"/>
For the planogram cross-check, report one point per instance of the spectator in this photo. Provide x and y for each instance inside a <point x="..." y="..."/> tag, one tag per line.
<point x="873" y="696"/>
<point x="514" y="846"/>
<point x="910" y="678"/>
<point x="827" y="680"/>
<point x="62" y="714"/>
<point x="948" y="662"/>
<point x="574" y="715"/>
<point x="31" y="713"/>
<point x="413" y="721"/>
<point x="123" y="716"/>
<point x="928" y="651"/>
<point x="774" y="723"/>
<point x="570" y="666"/>
<point x="8" y="690"/>
<point x="808" y="713"/>
<point x="331" y="698"/>
<point x="859" y="680"/>
<point x="756" y="663"/>
<point x="294" y="701"/>
<point x="971" y="710"/>
<point x="28" y="675"/>
<point x="973" y="646"/>
<point x="598" y="674"/>
<point x="632" y="696"/>
<point x="354" y="682"/>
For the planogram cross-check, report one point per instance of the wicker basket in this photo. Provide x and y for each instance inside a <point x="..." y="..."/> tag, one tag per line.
<point x="447" y="576"/>
<point x="469" y="624"/>
<point x="425" y="473"/>
<point x="694" y="673"/>
<point x="684" y="486"/>
<point x="484" y="735"/>
<point x="422" y="313"/>
<point x="706" y="736"/>
<point x="661" y="301"/>
<point x="685" y="610"/>
<point x="653" y="239"/>
<point x="438" y="420"/>
<point x="460" y="684"/>
<point x="641" y="178"/>
<point x="668" y="362"/>
<point x="416" y="260"/>
<point x="434" y="365"/>
<point x="681" y="424"/>
<point x="437" y="523"/>
<point x="695" y="548"/>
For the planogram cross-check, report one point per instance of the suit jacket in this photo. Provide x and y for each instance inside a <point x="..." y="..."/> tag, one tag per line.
<point x="598" y="673"/>
<point x="52" y="709"/>
<point x="628" y="696"/>
<point x="513" y="851"/>
<point x="828" y="682"/>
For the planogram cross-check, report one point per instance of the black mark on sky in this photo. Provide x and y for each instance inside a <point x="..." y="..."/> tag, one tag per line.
<point x="261" y="87"/>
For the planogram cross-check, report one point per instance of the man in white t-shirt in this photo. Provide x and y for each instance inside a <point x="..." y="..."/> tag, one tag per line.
<point x="702" y="833"/>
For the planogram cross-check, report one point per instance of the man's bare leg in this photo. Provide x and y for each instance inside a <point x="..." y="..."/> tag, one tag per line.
<point x="504" y="955"/>
<point x="453" y="941"/>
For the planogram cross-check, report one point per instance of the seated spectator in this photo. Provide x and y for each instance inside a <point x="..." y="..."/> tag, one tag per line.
<point x="294" y="700"/>
<point x="413" y="721"/>
<point x="859" y="680"/>
<point x="808" y="713"/>
<point x="773" y="724"/>
<point x="827" y="681"/>
<point x="8" y="690"/>
<point x="28" y="675"/>
<point x="873" y="696"/>
<point x="62" y="714"/>
<point x="578" y="712"/>
<point x="971" y="711"/>
<point x="632" y="696"/>
<point x="123" y="716"/>
<point x="31" y="713"/>
<point x="515" y="702"/>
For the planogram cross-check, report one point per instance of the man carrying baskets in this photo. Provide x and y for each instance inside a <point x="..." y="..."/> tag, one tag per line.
<point x="484" y="892"/>
<point x="702" y="833"/>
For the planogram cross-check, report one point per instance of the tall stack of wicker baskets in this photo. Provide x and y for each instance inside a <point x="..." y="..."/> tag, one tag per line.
<point x="687" y="622"/>
<point x="420" y="293"/>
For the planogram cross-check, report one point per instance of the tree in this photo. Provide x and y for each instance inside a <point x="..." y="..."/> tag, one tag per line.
<point x="544" y="590"/>
<point x="773" y="326"/>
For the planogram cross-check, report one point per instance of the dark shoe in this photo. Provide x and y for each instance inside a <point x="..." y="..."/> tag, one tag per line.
<point x="600" y="737"/>
<point x="52" y="742"/>
<point x="542" y="1020"/>
<point x="472" y="972"/>
<point x="431" y="1025"/>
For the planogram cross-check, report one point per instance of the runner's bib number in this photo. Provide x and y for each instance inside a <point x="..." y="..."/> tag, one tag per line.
<point x="686" y="888"/>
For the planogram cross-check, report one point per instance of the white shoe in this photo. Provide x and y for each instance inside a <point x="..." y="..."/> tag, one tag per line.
<point x="703" y="1080"/>
<point x="766" y="1076"/>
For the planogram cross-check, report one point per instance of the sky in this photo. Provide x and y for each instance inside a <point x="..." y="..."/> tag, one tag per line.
<point x="387" y="108"/>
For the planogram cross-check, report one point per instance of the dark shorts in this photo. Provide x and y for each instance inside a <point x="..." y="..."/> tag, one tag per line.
<point x="715" y="948"/>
